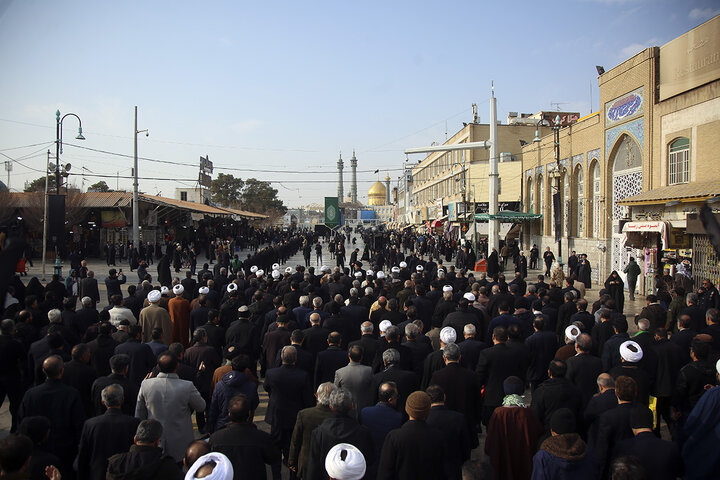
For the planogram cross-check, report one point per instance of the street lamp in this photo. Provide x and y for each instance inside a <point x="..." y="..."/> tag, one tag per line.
<point x="58" y="146"/>
<point x="556" y="175"/>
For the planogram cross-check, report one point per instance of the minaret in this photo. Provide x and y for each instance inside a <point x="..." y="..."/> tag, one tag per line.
<point x="340" y="179"/>
<point x="353" y="184"/>
<point x="387" y="189"/>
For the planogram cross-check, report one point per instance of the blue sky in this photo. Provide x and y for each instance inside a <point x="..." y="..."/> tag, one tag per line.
<point x="285" y="86"/>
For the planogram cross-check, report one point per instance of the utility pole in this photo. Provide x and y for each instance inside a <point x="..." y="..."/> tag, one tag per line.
<point x="45" y="215"/>
<point x="135" y="205"/>
<point x="556" y="200"/>
<point x="493" y="225"/>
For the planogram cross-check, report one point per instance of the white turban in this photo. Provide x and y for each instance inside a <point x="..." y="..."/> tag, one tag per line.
<point x="231" y="287"/>
<point x="260" y="273"/>
<point x="253" y="269"/>
<point x="440" y="272"/>
<point x="469" y="297"/>
<point x="572" y="332"/>
<point x="370" y="273"/>
<point x="384" y="325"/>
<point x="395" y="269"/>
<point x="164" y="290"/>
<point x="276" y="266"/>
<point x="153" y="296"/>
<point x="345" y="462"/>
<point x="419" y="268"/>
<point x="204" y="290"/>
<point x="717" y="366"/>
<point x="178" y="289"/>
<point x="631" y="351"/>
<point x="380" y="274"/>
<point x="403" y="265"/>
<point x="448" y="335"/>
<point x="447" y="288"/>
<point x="276" y="274"/>
<point x="358" y="274"/>
<point x="223" y="469"/>
<point x="288" y="270"/>
<point x="324" y="268"/>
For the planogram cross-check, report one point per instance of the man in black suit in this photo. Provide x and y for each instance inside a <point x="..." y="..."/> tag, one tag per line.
<point x="330" y="360"/>
<point x="119" y="365"/>
<point x="471" y="347"/>
<point x="495" y="364"/>
<point x="393" y="337"/>
<point x="190" y="286"/>
<point x="290" y="390"/>
<point x="554" y="393"/>
<point x="63" y="406"/>
<point x="315" y="336"/>
<point x="542" y="346"/>
<point x="695" y="312"/>
<point x="660" y="458"/>
<point x="89" y="287"/>
<point x="584" y="368"/>
<point x="461" y="389"/>
<point x="406" y="381"/>
<point x="142" y="359"/>
<point x="461" y="317"/>
<point x="84" y="317"/>
<point x="248" y="448"/>
<point x="105" y="435"/>
<point x="80" y="375"/>
<point x="102" y="348"/>
<point x="454" y="428"/>
<point x="368" y="342"/>
<point x="614" y="425"/>
<point x="132" y="301"/>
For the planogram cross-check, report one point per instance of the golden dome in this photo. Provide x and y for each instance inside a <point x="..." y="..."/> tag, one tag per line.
<point x="376" y="194"/>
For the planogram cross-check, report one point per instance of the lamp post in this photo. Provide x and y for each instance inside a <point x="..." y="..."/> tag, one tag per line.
<point x="556" y="175"/>
<point x="135" y="206"/>
<point x="58" y="145"/>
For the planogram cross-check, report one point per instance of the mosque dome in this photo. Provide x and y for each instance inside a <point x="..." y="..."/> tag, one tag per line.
<point x="376" y="194"/>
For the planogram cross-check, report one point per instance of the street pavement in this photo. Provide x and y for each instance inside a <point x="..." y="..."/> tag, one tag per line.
<point x="101" y="272"/>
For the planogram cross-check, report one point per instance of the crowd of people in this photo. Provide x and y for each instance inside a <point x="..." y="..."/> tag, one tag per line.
<point x="392" y="367"/>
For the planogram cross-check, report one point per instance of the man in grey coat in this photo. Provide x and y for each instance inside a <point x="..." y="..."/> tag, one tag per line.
<point x="170" y="401"/>
<point x="357" y="378"/>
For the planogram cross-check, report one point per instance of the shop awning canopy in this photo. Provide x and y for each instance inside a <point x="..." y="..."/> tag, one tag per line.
<point x="508" y="216"/>
<point x="438" y="222"/>
<point x="635" y="233"/>
<point x="686" y="192"/>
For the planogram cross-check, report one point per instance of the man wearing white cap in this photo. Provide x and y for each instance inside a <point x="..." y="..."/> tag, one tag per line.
<point x="631" y="354"/>
<point x="179" y="309"/>
<point x="462" y="316"/>
<point x="211" y="466"/>
<point x="345" y="462"/>
<point x="435" y="361"/>
<point x="568" y="350"/>
<point x="153" y="316"/>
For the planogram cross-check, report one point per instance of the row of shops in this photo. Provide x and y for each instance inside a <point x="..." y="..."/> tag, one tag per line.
<point x="95" y="219"/>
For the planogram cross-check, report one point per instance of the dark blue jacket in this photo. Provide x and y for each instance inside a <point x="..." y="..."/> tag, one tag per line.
<point x="231" y="384"/>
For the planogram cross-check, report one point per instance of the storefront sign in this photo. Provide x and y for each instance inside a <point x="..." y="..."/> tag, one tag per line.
<point x="624" y="108"/>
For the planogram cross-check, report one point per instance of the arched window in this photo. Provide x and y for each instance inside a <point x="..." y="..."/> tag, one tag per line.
<point x="579" y="200"/>
<point x="541" y="203"/>
<point x="530" y="196"/>
<point x="679" y="161"/>
<point x="595" y="196"/>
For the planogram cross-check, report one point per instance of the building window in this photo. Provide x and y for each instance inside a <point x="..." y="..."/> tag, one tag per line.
<point x="183" y="196"/>
<point x="595" y="197"/>
<point x="679" y="161"/>
<point x="579" y="201"/>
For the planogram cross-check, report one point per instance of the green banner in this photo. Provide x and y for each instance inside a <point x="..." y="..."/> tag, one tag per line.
<point x="332" y="213"/>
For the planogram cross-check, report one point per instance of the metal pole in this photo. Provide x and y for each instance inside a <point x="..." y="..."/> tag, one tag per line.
<point x="57" y="151"/>
<point x="559" y="176"/>
<point x="45" y="216"/>
<point x="493" y="226"/>
<point x="135" y="211"/>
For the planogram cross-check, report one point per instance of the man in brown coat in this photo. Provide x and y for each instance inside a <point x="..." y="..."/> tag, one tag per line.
<point x="179" y="309"/>
<point x="153" y="316"/>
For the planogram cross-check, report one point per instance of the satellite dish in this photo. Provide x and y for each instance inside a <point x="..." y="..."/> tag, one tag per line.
<point x="67" y="167"/>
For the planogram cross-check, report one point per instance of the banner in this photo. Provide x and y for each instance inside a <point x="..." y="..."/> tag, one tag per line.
<point x="112" y="219"/>
<point x="557" y="221"/>
<point x="332" y="213"/>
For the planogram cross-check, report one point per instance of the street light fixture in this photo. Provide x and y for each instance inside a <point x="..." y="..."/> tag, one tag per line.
<point x="58" y="146"/>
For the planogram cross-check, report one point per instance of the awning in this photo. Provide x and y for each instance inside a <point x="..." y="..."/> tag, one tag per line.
<point x="686" y="192"/>
<point x="636" y="233"/>
<point x="508" y="216"/>
<point x="438" y="222"/>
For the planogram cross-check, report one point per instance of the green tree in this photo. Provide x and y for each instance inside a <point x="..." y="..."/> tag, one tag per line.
<point x="260" y="197"/>
<point x="100" y="186"/>
<point x="38" y="185"/>
<point x="227" y="190"/>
